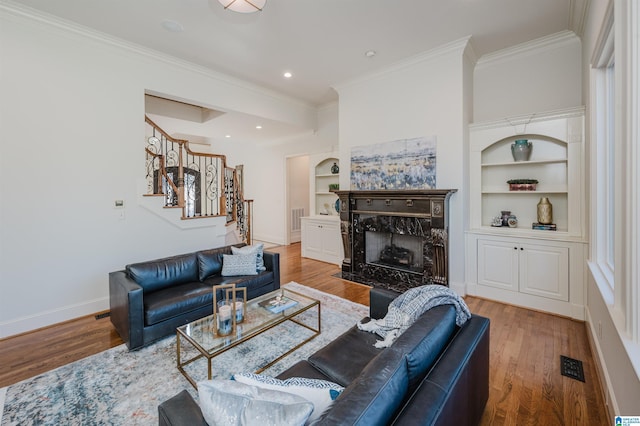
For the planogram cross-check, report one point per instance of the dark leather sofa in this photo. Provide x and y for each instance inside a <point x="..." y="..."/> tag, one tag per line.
<point x="149" y="300"/>
<point x="435" y="373"/>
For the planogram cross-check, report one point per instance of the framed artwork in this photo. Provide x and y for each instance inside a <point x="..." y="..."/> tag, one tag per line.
<point x="400" y="164"/>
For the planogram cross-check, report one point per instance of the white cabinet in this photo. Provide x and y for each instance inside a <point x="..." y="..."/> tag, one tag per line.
<point x="321" y="239"/>
<point x="514" y="265"/>
<point x="539" y="269"/>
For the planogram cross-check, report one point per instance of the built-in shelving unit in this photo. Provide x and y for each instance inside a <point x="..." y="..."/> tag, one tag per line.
<point x="535" y="268"/>
<point x="325" y="199"/>
<point x="321" y="238"/>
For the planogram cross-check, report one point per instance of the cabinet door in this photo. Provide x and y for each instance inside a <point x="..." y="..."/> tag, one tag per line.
<point x="544" y="271"/>
<point x="331" y="241"/>
<point x="498" y="264"/>
<point x="312" y="238"/>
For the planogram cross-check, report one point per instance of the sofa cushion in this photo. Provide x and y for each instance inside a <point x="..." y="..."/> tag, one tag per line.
<point x="175" y="301"/>
<point x="253" y="283"/>
<point x="225" y="402"/>
<point x="425" y="340"/>
<point x="344" y="358"/>
<point x="321" y="393"/>
<point x="375" y="395"/>
<point x="234" y="265"/>
<point x="256" y="249"/>
<point x="161" y="273"/>
<point x="210" y="262"/>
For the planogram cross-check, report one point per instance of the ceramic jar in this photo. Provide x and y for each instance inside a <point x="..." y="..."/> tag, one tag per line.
<point x="335" y="169"/>
<point x="545" y="211"/>
<point x="521" y="150"/>
<point x="512" y="221"/>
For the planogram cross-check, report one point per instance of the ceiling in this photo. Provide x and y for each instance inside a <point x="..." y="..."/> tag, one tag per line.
<point x="321" y="42"/>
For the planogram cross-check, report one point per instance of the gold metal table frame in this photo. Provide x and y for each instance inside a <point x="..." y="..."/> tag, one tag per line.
<point x="200" y="333"/>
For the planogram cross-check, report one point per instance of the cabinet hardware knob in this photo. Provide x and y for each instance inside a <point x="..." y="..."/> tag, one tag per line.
<point x="387" y="202"/>
<point x="515" y="248"/>
<point x="521" y="248"/>
<point x="368" y="201"/>
<point x="409" y="203"/>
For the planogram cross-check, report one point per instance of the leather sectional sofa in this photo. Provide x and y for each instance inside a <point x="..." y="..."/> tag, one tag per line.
<point x="149" y="300"/>
<point x="435" y="373"/>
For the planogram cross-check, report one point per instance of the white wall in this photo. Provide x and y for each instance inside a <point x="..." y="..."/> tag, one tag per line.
<point x="423" y="96"/>
<point x="265" y="167"/>
<point x="72" y="109"/>
<point x="542" y="75"/>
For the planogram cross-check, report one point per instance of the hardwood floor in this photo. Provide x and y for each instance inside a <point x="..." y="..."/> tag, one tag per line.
<point x="526" y="387"/>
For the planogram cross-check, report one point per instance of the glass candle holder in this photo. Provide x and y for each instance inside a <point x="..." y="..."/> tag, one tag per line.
<point x="224" y="319"/>
<point x="239" y="310"/>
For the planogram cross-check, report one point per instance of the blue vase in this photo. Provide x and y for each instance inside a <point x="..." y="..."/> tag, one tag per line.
<point x="521" y="150"/>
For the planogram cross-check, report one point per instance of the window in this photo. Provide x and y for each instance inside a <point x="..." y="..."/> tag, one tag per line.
<point x="604" y="158"/>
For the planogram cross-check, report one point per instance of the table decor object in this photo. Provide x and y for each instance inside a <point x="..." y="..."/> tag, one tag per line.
<point x="521" y="150"/>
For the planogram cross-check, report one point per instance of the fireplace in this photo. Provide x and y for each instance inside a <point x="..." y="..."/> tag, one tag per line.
<point x="395" y="239"/>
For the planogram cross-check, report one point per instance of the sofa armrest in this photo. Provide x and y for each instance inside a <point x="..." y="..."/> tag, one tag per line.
<point x="127" y="310"/>
<point x="456" y="390"/>
<point x="379" y="299"/>
<point x="181" y="410"/>
<point x="272" y="263"/>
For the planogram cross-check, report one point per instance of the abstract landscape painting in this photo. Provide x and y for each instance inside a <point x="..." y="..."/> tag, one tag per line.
<point x="400" y="164"/>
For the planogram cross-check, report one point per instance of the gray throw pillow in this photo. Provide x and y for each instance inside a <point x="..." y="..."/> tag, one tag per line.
<point x="238" y="264"/>
<point x="257" y="249"/>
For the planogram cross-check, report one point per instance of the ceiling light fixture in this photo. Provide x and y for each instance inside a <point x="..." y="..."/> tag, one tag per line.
<point x="287" y="75"/>
<point x="370" y="53"/>
<point x="243" y="6"/>
<point x="258" y="127"/>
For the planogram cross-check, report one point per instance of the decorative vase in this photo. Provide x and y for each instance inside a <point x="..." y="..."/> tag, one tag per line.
<point x="521" y="150"/>
<point x="505" y="217"/>
<point x="545" y="211"/>
<point x="335" y="169"/>
<point x="512" y="221"/>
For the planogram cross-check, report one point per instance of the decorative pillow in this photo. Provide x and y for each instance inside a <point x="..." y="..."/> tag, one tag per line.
<point x="258" y="249"/>
<point x="238" y="264"/>
<point x="321" y="393"/>
<point x="225" y="402"/>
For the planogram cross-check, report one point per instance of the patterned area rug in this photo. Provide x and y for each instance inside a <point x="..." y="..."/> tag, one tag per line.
<point x="118" y="387"/>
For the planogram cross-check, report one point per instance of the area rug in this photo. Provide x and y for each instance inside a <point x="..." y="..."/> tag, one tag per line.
<point x="118" y="387"/>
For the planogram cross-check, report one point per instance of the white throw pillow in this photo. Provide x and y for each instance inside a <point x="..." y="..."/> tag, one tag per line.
<point x="230" y="403"/>
<point x="239" y="264"/>
<point x="257" y="249"/>
<point x="321" y="393"/>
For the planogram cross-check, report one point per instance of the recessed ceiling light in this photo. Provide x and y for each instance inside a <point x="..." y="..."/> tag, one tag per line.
<point x="287" y="74"/>
<point x="172" y="26"/>
<point x="227" y="136"/>
<point x="370" y="53"/>
<point x="258" y="127"/>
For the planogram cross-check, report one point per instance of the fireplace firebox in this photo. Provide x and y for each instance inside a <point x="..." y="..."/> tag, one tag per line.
<point x="395" y="239"/>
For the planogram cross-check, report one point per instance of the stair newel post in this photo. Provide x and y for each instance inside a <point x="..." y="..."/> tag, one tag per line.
<point x="180" y="182"/>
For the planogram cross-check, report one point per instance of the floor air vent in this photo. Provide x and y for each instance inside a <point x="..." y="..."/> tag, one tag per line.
<point x="103" y="315"/>
<point x="571" y="368"/>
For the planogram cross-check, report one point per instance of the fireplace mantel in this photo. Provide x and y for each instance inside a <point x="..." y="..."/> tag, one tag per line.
<point x="395" y="215"/>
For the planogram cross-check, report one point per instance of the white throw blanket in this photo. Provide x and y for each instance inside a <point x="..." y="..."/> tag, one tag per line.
<point x="407" y="308"/>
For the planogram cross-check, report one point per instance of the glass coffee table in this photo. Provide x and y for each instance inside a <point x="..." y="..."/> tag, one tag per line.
<point x="257" y="319"/>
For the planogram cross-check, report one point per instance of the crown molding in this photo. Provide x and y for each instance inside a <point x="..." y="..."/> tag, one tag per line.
<point x="517" y="120"/>
<point x="452" y="47"/>
<point x="549" y="42"/>
<point x="578" y="15"/>
<point x="24" y="12"/>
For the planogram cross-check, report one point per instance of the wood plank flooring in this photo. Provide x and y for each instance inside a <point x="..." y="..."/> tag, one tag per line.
<point x="526" y="387"/>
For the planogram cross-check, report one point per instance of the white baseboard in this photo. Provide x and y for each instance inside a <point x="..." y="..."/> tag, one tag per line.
<point x="47" y="318"/>
<point x="603" y="375"/>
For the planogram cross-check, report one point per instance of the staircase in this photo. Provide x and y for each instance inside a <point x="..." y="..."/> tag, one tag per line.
<point x="200" y="184"/>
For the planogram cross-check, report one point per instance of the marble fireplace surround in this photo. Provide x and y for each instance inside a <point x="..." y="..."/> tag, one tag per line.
<point x="421" y="214"/>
